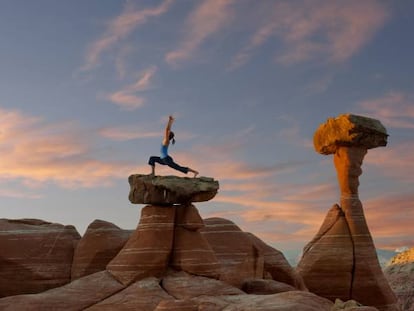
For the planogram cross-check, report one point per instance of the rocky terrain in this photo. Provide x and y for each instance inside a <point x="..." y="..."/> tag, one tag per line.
<point x="175" y="260"/>
<point x="400" y="275"/>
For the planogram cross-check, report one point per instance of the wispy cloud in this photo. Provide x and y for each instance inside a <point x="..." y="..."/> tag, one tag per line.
<point x="127" y="133"/>
<point x="319" y="29"/>
<point x="394" y="109"/>
<point x="120" y="28"/>
<point x="206" y="20"/>
<point x="129" y="97"/>
<point x="37" y="152"/>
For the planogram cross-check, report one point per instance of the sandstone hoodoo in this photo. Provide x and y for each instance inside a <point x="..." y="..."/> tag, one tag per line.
<point x="168" y="234"/>
<point x="341" y="261"/>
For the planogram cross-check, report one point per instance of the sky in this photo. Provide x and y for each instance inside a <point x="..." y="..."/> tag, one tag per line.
<point x="86" y="88"/>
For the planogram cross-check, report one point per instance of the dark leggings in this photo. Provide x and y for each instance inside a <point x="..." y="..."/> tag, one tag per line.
<point x="167" y="161"/>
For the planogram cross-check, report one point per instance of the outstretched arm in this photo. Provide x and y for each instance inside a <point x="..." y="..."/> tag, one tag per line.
<point x="166" y="139"/>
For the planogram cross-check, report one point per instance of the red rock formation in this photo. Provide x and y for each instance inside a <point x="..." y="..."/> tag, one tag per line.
<point x="341" y="261"/>
<point x="35" y="255"/>
<point x="238" y="256"/>
<point x="243" y="256"/>
<point x="74" y="296"/>
<point x="191" y="251"/>
<point x="101" y="242"/>
<point x="276" y="265"/>
<point x="147" y="252"/>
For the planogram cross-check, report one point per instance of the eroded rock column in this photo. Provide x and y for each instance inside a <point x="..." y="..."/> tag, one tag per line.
<point x="347" y="137"/>
<point x="168" y="234"/>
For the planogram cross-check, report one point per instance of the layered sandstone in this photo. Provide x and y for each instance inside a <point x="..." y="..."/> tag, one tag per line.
<point x="242" y="256"/>
<point x="341" y="261"/>
<point x="34" y="255"/>
<point x="101" y="242"/>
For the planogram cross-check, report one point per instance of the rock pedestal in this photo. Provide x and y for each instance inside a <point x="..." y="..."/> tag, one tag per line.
<point x="168" y="234"/>
<point x="341" y="261"/>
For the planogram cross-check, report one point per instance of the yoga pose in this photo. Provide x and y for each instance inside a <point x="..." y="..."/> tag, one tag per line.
<point x="165" y="159"/>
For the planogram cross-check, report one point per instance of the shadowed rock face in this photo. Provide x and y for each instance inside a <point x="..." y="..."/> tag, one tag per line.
<point x="101" y="242"/>
<point x="34" y="255"/>
<point x="166" y="190"/>
<point x="341" y="261"/>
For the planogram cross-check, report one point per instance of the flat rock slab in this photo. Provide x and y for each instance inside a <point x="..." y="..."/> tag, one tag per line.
<point x="349" y="130"/>
<point x="167" y="190"/>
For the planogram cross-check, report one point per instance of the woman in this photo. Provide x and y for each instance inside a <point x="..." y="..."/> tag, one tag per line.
<point x="165" y="159"/>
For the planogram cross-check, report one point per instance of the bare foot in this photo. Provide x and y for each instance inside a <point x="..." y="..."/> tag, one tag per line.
<point x="195" y="174"/>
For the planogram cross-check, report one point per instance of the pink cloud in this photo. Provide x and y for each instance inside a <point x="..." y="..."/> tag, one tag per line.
<point x="207" y="19"/>
<point x="127" y="133"/>
<point x="119" y="28"/>
<point x="394" y="109"/>
<point x="128" y="98"/>
<point x="314" y="29"/>
<point x="36" y="152"/>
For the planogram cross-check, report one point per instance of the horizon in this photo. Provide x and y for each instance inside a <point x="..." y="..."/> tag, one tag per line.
<point x="86" y="89"/>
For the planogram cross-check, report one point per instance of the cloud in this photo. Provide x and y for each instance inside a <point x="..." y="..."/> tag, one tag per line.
<point x="206" y="20"/>
<point x="35" y="152"/>
<point x="309" y="30"/>
<point x="394" y="109"/>
<point x="127" y="133"/>
<point x="390" y="219"/>
<point x="128" y="98"/>
<point x="119" y="28"/>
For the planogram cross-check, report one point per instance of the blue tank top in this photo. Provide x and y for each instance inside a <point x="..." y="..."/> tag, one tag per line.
<point x="164" y="151"/>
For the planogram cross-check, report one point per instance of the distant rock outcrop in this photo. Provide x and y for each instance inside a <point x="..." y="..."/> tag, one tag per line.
<point x="101" y="242"/>
<point x="341" y="261"/>
<point x="34" y="255"/>
<point x="400" y="275"/>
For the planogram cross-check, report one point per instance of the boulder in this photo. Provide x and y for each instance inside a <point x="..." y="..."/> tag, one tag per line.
<point x="349" y="130"/>
<point x="101" y="242"/>
<point x="147" y="252"/>
<point x="74" y="296"/>
<point x="35" y="255"/>
<point x="159" y="190"/>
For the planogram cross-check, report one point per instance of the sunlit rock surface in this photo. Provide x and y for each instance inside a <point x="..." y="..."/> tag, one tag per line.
<point x="400" y="275"/>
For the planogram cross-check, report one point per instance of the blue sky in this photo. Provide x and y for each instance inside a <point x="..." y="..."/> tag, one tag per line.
<point x="86" y="88"/>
